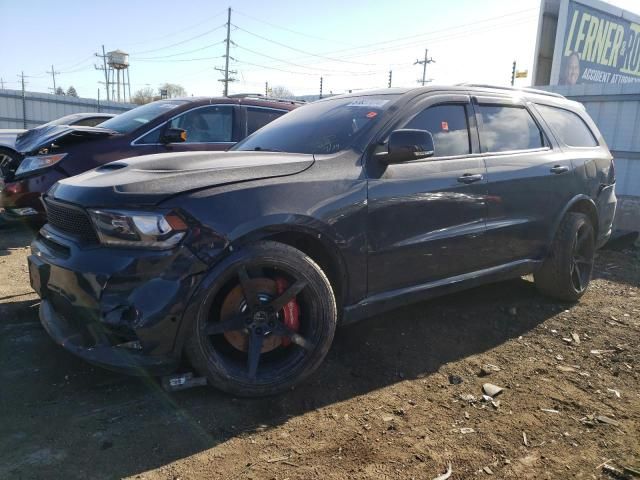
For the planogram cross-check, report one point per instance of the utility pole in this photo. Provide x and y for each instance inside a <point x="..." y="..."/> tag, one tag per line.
<point x="53" y="76"/>
<point x="513" y="73"/>
<point x="424" y="63"/>
<point x="24" y="103"/>
<point x="226" y="70"/>
<point x="266" y="89"/>
<point x="390" y="76"/>
<point x="226" y="56"/>
<point x="320" y="87"/>
<point x="1" y="83"/>
<point x="98" y="100"/>
<point x="103" y="67"/>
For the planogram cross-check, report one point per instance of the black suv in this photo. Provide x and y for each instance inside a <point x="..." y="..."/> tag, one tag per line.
<point x="247" y="260"/>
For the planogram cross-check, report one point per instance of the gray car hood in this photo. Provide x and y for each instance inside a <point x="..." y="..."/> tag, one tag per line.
<point x="150" y="179"/>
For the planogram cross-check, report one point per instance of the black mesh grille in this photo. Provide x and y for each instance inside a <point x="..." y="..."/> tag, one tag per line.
<point x="71" y="220"/>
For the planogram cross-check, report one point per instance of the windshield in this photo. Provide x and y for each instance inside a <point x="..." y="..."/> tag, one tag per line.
<point x="129" y="121"/>
<point x="323" y="127"/>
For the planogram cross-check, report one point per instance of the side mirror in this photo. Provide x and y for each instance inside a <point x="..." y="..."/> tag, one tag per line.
<point x="408" y="144"/>
<point x="174" y="135"/>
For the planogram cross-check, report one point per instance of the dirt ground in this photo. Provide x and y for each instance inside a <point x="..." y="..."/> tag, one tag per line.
<point x="399" y="396"/>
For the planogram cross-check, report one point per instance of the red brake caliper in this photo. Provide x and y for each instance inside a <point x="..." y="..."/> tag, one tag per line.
<point x="291" y="310"/>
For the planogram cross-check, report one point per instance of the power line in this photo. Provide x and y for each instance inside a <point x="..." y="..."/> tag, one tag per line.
<point x="299" y="65"/>
<point x="297" y="49"/>
<point x="288" y="29"/>
<point x="275" y="68"/>
<point x="172" y="34"/>
<point x="180" y="53"/>
<point x="70" y="67"/>
<point x="440" y="39"/>
<point x="391" y="48"/>
<point x="198" y="59"/>
<point x="179" y="43"/>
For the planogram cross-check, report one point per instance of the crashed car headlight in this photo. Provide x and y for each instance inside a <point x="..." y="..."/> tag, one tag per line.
<point x="138" y="229"/>
<point x="29" y="164"/>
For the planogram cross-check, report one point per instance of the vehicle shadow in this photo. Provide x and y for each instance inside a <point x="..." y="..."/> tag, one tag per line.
<point x="15" y="236"/>
<point x="124" y="426"/>
<point x="610" y="265"/>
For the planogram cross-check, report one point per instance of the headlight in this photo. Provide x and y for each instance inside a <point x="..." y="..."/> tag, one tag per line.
<point x="29" y="164"/>
<point x="138" y="229"/>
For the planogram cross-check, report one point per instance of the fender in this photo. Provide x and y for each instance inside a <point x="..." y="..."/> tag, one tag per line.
<point x="592" y="210"/>
<point x="233" y="253"/>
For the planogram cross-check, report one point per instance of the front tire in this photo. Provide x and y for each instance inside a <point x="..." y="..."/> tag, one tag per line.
<point x="566" y="272"/>
<point x="244" y="341"/>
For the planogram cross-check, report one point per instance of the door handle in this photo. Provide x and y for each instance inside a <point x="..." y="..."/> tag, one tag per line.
<point x="559" y="169"/>
<point x="470" y="178"/>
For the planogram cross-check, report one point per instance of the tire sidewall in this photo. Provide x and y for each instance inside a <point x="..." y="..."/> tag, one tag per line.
<point x="578" y="223"/>
<point x="323" y="309"/>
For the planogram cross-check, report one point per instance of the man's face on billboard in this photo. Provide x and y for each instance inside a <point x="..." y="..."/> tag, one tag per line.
<point x="573" y="70"/>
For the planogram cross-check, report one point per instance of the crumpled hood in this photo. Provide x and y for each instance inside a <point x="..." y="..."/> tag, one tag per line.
<point x="36" y="138"/>
<point x="150" y="179"/>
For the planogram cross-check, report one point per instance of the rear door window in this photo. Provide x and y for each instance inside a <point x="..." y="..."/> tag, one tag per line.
<point x="449" y="127"/>
<point x="505" y="128"/>
<point x="568" y="126"/>
<point x="259" y="117"/>
<point x="206" y="124"/>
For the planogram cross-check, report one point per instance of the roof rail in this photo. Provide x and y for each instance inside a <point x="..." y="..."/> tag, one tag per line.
<point x="259" y="96"/>
<point x="517" y="89"/>
<point x="244" y="95"/>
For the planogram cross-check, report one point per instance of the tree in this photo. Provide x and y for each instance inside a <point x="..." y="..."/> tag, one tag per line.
<point x="59" y="91"/>
<point x="173" y="90"/>
<point x="144" y="95"/>
<point x="72" y="92"/>
<point x="281" y="92"/>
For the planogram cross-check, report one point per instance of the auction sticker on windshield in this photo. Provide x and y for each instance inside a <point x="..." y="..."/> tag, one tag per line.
<point x="368" y="102"/>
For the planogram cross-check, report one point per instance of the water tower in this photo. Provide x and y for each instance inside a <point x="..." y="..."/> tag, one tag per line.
<point x="118" y="61"/>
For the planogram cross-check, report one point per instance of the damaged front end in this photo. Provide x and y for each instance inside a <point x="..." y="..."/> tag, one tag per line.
<point x="43" y="153"/>
<point x="119" y="308"/>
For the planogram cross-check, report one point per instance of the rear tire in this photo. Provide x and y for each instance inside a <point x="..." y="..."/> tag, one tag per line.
<point x="241" y="340"/>
<point x="566" y="272"/>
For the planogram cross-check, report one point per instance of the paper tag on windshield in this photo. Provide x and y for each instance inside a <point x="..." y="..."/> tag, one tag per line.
<point x="368" y="102"/>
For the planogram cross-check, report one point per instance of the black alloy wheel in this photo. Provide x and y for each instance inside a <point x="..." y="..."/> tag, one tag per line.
<point x="566" y="272"/>
<point x="582" y="261"/>
<point x="267" y="323"/>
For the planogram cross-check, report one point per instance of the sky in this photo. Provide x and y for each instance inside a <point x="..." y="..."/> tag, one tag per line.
<point x="352" y="45"/>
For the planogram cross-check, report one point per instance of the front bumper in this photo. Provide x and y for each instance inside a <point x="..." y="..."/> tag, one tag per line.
<point x="98" y="350"/>
<point x="120" y="309"/>
<point x="25" y="194"/>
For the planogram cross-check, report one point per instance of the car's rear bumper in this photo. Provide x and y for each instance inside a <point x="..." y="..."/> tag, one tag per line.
<point x="116" y="308"/>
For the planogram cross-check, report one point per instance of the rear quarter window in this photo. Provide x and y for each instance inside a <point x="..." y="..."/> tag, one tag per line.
<point x="568" y="126"/>
<point x="505" y="128"/>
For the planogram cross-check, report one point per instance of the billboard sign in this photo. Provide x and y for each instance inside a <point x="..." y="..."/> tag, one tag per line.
<point x="586" y="42"/>
<point x="599" y="48"/>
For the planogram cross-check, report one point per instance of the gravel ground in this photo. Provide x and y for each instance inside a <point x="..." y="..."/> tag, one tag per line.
<point x="399" y="396"/>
